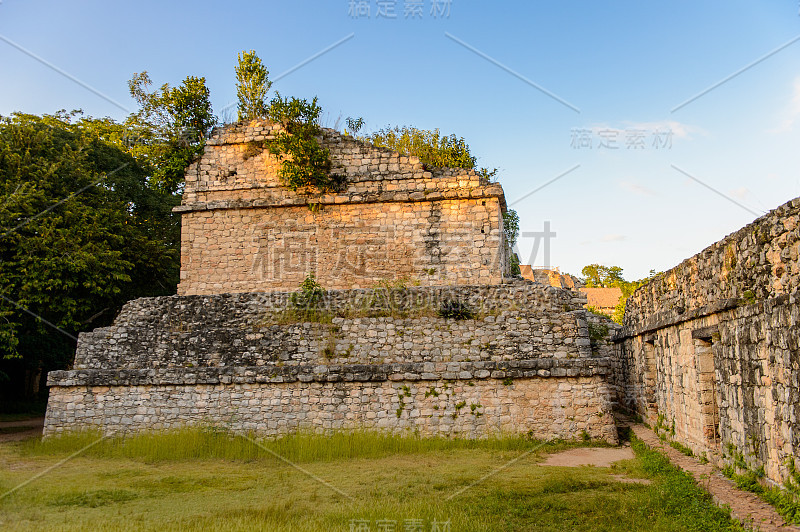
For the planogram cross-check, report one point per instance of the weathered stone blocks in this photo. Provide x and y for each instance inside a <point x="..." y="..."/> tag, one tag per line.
<point x="711" y="347"/>
<point x="520" y="361"/>
<point x="545" y="408"/>
<point x="229" y="351"/>
<point x="243" y="231"/>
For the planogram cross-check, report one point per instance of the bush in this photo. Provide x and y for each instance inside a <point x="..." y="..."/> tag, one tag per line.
<point x="597" y="331"/>
<point x="456" y="310"/>
<point x="307" y="303"/>
<point x="304" y="162"/>
<point x="432" y="148"/>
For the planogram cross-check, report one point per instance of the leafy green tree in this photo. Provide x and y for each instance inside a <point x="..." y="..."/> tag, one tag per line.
<point x="82" y="230"/>
<point x="86" y="218"/>
<point x="619" y="311"/>
<point x="169" y="130"/>
<point x="599" y="276"/>
<point x="252" y="85"/>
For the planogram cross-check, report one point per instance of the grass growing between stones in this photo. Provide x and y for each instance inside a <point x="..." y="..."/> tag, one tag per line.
<point x="785" y="501"/>
<point x="200" y="480"/>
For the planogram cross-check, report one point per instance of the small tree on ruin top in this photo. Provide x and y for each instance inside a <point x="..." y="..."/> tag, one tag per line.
<point x="252" y="85"/>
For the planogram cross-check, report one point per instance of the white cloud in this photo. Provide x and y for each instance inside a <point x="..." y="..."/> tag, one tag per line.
<point x="664" y="131"/>
<point x="613" y="238"/>
<point x="678" y="129"/>
<point x="792" y="111"/>
<point x="741" y="193"/>
<point x="637" y="189"/>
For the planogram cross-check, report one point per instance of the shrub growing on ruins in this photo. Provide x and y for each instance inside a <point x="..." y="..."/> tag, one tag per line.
<point x="304" y="162"/>
<point x="454" y="309"/>
<point x="431" y="147"/>
<point x="252" y="85"/>
<point x="597" y="331"/>
<point x="354" y="125"/>
<point x="306" y="304"/>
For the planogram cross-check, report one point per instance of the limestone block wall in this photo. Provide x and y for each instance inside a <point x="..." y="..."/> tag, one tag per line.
<point x="345" y="246"/>
<point x="545" y="407"/>
<point x="512" y="322"/>
<point x="710" y="349"/>
<point x="524" y="360"/>
<point x="242" y="231"/>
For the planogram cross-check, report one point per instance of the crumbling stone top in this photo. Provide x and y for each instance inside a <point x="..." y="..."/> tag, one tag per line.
<point x="750" y="266"/>
<point x="236" y="160"/>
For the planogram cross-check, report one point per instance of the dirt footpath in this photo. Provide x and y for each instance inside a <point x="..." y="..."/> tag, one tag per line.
<point x="745" y="506"/>
<point x="594" y="456"/>
<point x="21" y="430"/>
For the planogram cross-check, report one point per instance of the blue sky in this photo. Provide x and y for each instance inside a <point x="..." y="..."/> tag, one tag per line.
<point x="732" y="153"/>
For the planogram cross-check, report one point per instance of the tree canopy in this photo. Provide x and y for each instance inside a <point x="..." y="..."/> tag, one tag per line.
<point x="82" y="230"/>
<point x="170" y="128"/>
<point x="599" y="276"/>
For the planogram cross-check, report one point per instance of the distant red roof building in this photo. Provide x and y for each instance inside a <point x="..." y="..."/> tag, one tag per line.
<point x="602" y="299"/>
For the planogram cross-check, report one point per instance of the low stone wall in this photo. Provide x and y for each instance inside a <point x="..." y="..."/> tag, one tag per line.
<point x="710" y="349"/>
<point x="523" y="363"/>
<point x="542" y="407"/>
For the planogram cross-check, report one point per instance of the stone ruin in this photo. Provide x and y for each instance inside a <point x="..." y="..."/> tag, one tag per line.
<point x="710" y="350"/>
<point x="243" y="231"/>
<point x="399" y="245"/>
<point x="708" y="353"/>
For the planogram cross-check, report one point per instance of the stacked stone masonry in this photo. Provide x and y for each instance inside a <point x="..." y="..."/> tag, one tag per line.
<point x="710" y="349"/>
<point x="546" y="408"/>
<point x="243" y="231"/>
<point x="379" y="359"/>
<point x="232" y="350"/>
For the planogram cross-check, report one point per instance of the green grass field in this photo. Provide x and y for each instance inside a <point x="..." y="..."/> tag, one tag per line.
<point x="197" y="480"/>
